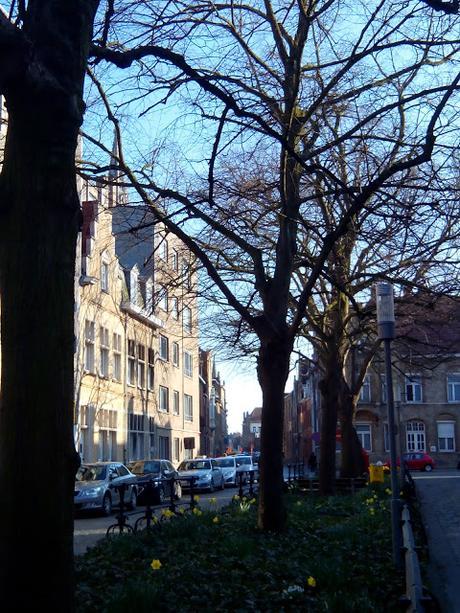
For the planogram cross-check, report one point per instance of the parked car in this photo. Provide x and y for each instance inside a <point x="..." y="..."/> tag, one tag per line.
<point x="229" y="468"/>
<point x="208" y="475"/>
<point x="97" y="486"/>
<point x="415" y="460"/>
<point x="156" y="480"/>
<point x="245" y="464"/>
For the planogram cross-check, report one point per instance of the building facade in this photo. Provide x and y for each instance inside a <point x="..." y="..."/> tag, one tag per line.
<point x="213" y="408"/>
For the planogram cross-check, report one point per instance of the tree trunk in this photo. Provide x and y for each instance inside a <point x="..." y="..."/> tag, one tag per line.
<point x="352" y="460"/>
<point x="39" y="222"/>
<point x="272" y="369"/>
<point x="330" y="398"/>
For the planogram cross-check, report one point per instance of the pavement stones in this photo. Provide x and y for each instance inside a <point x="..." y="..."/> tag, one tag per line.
<point x="439" y="497"/>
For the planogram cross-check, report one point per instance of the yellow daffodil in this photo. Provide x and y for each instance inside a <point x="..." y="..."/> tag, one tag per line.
<point x="196" y="498"/>
<point x="388" y="491"/>
<point x="156" y="564"/>
<point x="215" y="520"/>
<point x="311" y="581"/>
<point x="197" y="512"/>
<point x="182" y="510"/>
<point x="213" y="500"/>
<point x="167" y="513"/>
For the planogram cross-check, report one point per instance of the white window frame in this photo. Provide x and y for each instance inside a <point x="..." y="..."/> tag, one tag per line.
<point x="104" y="274"/>
<point x="140" y="349"/>
<point x="104" y="352"/>
<point x="176" y="402"/>
<point x="131" y="371"/>
<point x="188" y="407"/>
<point x="413" y="382"/>
<point x="116" y="350"/>
<point x="443" y="446"/>
<point x="174" y="260"/>
<point x="164" y="348"/>
<point x="90" y="334"/>
<point x="188" y="364"/>
<point x="187" y="319"/>
<point x="453" y="387"/>
<point x="364" y="433"/>
<point x="163" y="298"/>
<point x="163" y="399"/>
<point x="415" y="436"/>
<point x="174" y="307"/>
<point x="150" y="368"/>
<point x="366" y="387"/>
<point x="175" y="354"/>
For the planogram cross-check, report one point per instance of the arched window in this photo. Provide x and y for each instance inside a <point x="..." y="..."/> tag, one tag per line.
<point x="415" y="436"/>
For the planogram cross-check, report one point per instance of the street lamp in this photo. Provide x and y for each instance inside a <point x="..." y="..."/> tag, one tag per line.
<point x="386" y="332"/>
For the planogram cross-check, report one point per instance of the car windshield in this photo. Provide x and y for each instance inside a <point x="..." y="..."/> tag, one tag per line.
<point x="91" y="473"/>
<point x="195" y="465"/>
<point x="241" y="461"/>
<point x="141" y="468"/>
<point x="225" y="462"/>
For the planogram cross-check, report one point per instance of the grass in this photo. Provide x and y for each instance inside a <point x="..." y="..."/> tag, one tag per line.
<point x="334" y="556"/>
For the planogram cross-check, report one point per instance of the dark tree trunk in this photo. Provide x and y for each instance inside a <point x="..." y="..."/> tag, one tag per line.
<point x="39" y="221"/>
<point x="273" y="370"/>
<point x="352" y="459"/>
<point x="330" y="397"/>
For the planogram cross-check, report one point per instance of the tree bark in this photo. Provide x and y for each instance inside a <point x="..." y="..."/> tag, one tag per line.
<point x="273" y="370"/>
<point x="39" y="222"/>
<point x="330" y="389"/>
<point x="352" y="464"/>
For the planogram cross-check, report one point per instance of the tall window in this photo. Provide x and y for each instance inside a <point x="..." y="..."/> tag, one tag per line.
<point x="164" y="348"/>
<point x="151" y="369"/>
<point x="104" y="351"/>
<point x="188" y="407"/>
<point x="413" y="386"/>
<point x="174" y="259"/>
<point x="187" y="319"/>
<point x="365" y="393"/>
<point x="163" y="249"/>
<point x="163" y="298"/>
<point x="104" y="274"/>
<point x="131" y="362"/>
<point x="364" y="434"/>
<point x="175" y="354"/>
<point x="163" y="447"/>
<point x="89" y="345"/>
<point x="176" y="449"/>
<point x="140" y="366"/>
<point x="176" y="402"/>
<point x="453" y="388"/>
<point x="188" y="364"/>
<point x="164" y="399"/>
<point x="415" y="436"/>
<point x="174" y="307"/>
<point x="117" y="356"/>
<point x="446" y="435"/>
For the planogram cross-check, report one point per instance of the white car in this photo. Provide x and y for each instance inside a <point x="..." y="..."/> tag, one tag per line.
<point x="206" y="473"/>
<point x="245" y="464"/>
<point x="229" y="469"/>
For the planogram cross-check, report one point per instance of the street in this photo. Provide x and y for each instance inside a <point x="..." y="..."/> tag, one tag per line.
<point x="88" y="529"/>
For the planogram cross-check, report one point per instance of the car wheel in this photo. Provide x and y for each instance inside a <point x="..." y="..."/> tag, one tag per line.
<point x="428" y="468"/>
<point x="107" y="505"/>
<point x="133" y="500"/>
<point x="178" y="491"/>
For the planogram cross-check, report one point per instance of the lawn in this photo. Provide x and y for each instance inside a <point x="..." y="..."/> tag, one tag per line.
<point x="334" y="556"/>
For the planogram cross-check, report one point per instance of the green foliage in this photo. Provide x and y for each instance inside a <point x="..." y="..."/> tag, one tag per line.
<point x="334" y="556"/>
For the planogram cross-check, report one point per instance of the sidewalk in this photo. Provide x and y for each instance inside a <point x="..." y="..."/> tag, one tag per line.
<point x="439" y="497"/>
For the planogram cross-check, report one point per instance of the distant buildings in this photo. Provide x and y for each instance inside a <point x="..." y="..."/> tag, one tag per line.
<point x="213" y="408"/>
<point x="252" y="427"/>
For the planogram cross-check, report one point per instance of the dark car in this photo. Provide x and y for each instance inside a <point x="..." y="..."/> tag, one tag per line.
<point x="98" y="486"/>
<point x="156" y="479"/>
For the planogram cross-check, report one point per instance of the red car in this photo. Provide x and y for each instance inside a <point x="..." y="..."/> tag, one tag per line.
<point x="416" y="460"/>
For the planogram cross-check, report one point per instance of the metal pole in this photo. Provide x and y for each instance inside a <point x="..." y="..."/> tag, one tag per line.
<point x="395" y="501"/>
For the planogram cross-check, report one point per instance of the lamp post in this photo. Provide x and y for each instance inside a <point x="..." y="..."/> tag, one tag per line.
<point x="386" y="332"/>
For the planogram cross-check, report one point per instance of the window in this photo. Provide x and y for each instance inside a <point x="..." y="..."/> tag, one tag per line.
<point x="365" y="393"/>
<point x="131" y="363"/>
<point x="164" y="399"/>
<point x="175" y="354"/>
<point x="104" y="352"/>
<point x="163" y="447"/>
<point x="176" y="444"/>
<point x="117" y="356"/>
<point x="413" y="387"/>
<point x="364" y="434"/>
<point x="89" y="345"/>
<point x="188" y="407"/>
<point x="140" y="366"/>
<point x="174" y="306"/>
<point x="164" y="348"/>
<point x="174" y="259"/>
<point x="415" y="436"/>
<point x="176" y="402"/>
<point x="104" y="275"/>
<point x="163" y="249"/>
<point x="188" y="364"/>
<point x="453" y="388"/>
<point x="151" y="369"/>
<point x="446" y="436"/>
<point x="163" y="298"/>
<point x="187" y="319"/>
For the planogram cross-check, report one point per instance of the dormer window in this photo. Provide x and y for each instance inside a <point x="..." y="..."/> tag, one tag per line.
<point x="104" y="274"/>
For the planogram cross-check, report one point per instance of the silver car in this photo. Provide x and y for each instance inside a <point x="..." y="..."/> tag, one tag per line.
<point x="208" y="475"/>
<point x="245" y="465"/>
<point x="97" y="486"/>
<point x="229" y="468"/>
